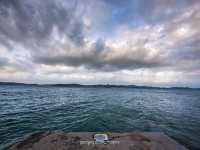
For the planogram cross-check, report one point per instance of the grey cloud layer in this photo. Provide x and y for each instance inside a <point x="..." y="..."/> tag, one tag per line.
<point x="3" y="62"/>
<point x="31" y="22"/>
<point x="35" y="24"/>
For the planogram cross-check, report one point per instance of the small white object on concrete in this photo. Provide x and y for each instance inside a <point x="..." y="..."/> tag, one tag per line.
<point x="101" y="138"/>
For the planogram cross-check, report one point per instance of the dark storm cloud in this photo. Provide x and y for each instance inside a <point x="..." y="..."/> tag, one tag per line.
<point x="102" y="57"/>
<point x="31" y="22"/>
<point x="99" y="46"/>
<point x="97" y="63"/>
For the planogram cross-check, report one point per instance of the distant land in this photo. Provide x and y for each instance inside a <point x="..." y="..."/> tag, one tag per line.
<point x="15" y="83"/>
<point x="95" y="86"/>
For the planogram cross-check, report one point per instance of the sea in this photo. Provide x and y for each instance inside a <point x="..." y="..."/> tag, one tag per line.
<point x="26" y="109"/>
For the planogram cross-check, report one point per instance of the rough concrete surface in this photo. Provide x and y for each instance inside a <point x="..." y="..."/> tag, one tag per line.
<point x="85" y="141"/>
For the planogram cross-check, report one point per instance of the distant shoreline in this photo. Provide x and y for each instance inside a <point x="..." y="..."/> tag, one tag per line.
<point x="95" y="86"/>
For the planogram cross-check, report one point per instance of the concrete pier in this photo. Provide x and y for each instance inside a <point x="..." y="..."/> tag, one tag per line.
<point x="85" y="141"/>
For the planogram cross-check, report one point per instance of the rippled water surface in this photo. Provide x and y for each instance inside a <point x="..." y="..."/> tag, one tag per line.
<point x="27" y="109"/>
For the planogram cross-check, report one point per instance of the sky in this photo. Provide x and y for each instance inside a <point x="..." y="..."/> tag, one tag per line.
<point x="140" y="42"/>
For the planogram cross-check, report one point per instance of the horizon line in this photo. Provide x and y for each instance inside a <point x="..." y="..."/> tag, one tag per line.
<point x="98" y="85"/>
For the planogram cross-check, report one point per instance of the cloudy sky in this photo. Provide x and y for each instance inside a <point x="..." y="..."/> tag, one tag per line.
<point x="139" y="42"/>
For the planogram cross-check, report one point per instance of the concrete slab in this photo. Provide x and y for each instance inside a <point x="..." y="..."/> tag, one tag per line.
<point x="85" y="141"/>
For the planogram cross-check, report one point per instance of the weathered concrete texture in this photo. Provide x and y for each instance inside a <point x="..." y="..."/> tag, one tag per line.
<point x="85" y="141"/>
